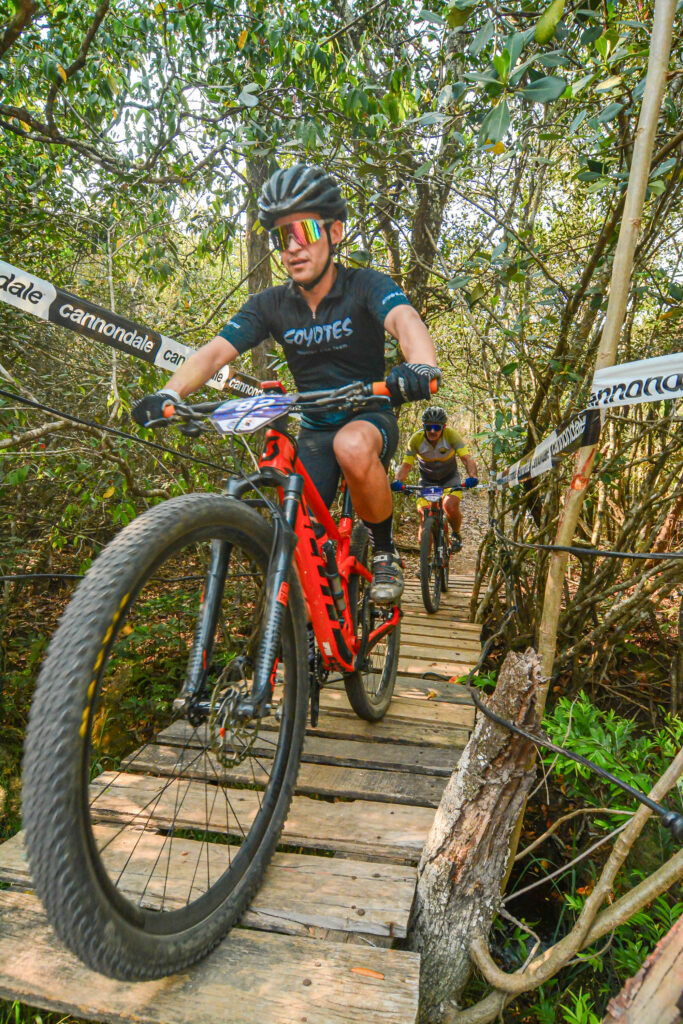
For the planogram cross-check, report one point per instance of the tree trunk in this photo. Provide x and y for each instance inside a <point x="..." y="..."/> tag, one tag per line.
<point x="466" y="857"/>
<point x="258" y="252"/>
<point x="655" y="994"/>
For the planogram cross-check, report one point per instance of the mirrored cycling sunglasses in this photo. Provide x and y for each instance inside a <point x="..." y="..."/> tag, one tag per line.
<point x="433" y="427"/>
<point x="305" y="232"/>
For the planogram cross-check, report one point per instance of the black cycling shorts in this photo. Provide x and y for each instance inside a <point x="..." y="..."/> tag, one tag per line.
<point x="316" y="450"/>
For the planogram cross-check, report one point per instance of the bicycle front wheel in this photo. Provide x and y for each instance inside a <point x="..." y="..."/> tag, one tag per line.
<point x="430" y="564"/>
<point x="370" y="690"/>
<point x="148" y="829"/>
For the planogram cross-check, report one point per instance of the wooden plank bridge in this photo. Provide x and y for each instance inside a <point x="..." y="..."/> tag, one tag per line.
<point x="315" y="946"/>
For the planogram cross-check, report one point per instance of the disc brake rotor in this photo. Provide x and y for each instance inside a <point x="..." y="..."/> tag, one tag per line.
<point x="232" y="737"/>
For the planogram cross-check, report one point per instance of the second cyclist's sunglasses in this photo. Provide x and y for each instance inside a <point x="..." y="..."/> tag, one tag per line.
<point x="305" y="232"/>
<point x="433" y="427"/>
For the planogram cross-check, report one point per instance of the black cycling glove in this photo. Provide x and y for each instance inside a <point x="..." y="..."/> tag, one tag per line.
<point x="409" y="382"/>
<point x="150" y="409"/>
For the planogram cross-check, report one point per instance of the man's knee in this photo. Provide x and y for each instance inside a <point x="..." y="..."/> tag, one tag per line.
<point x="357" y="449"/>
<point x="451" y="505"/>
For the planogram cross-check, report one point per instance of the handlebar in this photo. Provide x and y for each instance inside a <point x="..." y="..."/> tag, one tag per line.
<point x="380" y="388"/>
<point x="328" y="396"/>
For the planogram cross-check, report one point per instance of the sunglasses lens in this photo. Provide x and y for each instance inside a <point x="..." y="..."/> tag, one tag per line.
<point x="432" y="427"/>
<point x="304" y="231"/>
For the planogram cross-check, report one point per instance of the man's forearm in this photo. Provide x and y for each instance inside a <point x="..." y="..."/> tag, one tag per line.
<point x="415" y="341"/>
<point x="403" y="471"/>
<point x="202" y="365"/>
<point x="470" y="465"/>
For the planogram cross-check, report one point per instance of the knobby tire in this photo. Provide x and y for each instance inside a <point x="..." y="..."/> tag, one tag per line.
<point x="83" y="859"/>
<point x="370" y="691"/>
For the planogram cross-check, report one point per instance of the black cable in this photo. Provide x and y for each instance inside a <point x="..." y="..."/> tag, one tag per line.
<point x="671" y="819"/>
<point x="111" y="430"/>
<point x="589" y="552"/>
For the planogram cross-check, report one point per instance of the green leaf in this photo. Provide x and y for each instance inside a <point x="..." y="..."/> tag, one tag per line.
<point x="495" y="124"/>
<point x="545" y="26"/>
<point x="459" y="282"/>
<point x="609" y="113"/>
<point x="360" y="258"/>
<point x="482" y="38"/>
<point x="509" y="368"/>
<point x="581" y="116"/>
<point x="247" y="98"/>
<point x="545" y="90"/>
<point x="501" y="63"/>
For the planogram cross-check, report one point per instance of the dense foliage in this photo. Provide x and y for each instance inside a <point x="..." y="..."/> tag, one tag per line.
<point x="485" y="151"/>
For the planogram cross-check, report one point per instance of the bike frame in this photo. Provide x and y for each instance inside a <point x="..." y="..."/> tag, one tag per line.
<point x="317" y="567"/>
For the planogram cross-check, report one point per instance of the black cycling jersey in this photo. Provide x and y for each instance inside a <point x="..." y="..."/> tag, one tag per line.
<point x="341" y="343"/>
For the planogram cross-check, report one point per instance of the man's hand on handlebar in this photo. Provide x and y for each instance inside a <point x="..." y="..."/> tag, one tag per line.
<point x="150" y="409"/>
<point x="410" y="382"/>
<point x="397" y="485"/>
<point x="471" y="481"/>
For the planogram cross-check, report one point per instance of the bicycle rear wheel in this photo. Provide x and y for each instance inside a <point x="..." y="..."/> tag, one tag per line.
<point x="370" y="690"/>
<point x="430" y="564"/>
<point x="148" y="833"/>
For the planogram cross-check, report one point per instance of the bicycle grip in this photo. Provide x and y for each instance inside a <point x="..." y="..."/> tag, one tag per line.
<point x="379" y="388"/>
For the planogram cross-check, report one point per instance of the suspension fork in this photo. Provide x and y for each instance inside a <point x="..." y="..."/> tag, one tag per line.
<point x="257" y="705"/>
<point x="207" y="621"/>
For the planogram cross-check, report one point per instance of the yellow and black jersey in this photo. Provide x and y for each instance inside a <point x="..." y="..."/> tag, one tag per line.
<point x="436" y="461"/>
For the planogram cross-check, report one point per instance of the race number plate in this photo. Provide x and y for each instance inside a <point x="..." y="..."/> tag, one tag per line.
<point x="245" y="415"/>
<point x="432" y="493"/>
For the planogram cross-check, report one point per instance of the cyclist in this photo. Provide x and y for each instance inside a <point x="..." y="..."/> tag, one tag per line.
<point x="330" y="321"/>
<point x="436" y="448"/>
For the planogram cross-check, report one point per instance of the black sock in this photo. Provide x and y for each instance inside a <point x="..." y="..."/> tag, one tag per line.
<point x="381" y="534"/>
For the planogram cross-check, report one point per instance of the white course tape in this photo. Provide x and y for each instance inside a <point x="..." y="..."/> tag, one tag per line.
<point x="646" y="380"/>
<point x="32" y="295"/>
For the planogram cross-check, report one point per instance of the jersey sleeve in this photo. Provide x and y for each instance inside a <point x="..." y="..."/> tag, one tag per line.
<point x="413" y="448"/>
<point x="382" y="294"/>
<point x="249" y="326"/>
<point x="456" y="440"/>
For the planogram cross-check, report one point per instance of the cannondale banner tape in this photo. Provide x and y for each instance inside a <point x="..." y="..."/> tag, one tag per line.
<point x="32" y="295"/>
<point x="645" y="380"/>
<point x="574" y="433"/>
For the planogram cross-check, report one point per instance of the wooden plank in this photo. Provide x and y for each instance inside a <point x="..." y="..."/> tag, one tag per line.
<point x="432" y="652"/>
<point x="368" y="828"/>
<point x="416" y="688"/>
<point x="335" y="701"/>
<point x="353" y="752"/>
<point x="425" y="688"/>
<point x="322" y="779"/>
<point x="298" y="891"/>
<point x="438" y="634"/>
<point x="413" y="665"/>
<point x="251" y="976"/>
<point x="340" y="725"/>
<point x="440" y="627"/>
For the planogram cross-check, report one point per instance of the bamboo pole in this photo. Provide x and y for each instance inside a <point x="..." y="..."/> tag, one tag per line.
<point x="660" y="48"/>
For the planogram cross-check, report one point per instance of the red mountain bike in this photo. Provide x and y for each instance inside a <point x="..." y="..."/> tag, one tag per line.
<point x="166" y="732"/>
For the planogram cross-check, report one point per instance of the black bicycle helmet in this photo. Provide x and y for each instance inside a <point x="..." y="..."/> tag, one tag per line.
<point x="300" y="188"/>
<point x="435" y="414"/>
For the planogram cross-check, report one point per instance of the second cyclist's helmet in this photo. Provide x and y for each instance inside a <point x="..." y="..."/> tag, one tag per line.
<point x="435" y="414"/>
<point x="300" y="188"/>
